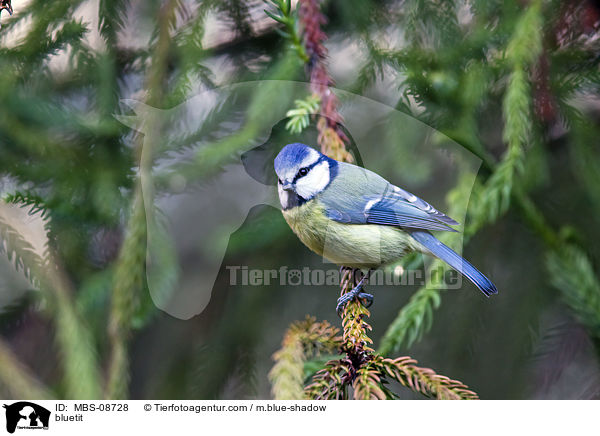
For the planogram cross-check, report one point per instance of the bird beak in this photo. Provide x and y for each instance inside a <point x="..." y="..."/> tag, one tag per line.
<point x="287" y="186"/>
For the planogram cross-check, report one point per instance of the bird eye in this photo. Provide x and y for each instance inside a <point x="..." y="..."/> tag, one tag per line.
<point x="302" y="172"/>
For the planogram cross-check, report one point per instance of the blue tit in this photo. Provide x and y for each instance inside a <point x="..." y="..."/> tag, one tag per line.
<point x="357" y="219"/>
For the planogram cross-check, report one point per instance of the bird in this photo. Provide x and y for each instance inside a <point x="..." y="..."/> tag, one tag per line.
<point x="357" y="219"/>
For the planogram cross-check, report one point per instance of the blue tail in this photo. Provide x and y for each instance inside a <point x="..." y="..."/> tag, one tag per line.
<point x="455" y="261"/>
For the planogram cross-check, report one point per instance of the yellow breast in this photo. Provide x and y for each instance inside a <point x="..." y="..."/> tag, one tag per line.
<point x="353" y="245"/>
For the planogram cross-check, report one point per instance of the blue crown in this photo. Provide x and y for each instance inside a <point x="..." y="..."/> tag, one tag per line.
<point x="291" y="154"/>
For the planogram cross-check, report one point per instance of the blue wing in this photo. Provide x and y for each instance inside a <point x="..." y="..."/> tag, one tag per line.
<point x="359" y="196"/>
<point x="398" y="207"/>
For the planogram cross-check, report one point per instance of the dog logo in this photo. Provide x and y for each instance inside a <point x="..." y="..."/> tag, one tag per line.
<point x="26" y="415"/>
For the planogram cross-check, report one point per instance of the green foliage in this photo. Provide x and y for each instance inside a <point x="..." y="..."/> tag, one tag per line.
<point x="414" y="319"/>
<point x="288" y="16"/>
<point x="20" y="252"/>
<point x="72" y="336"/>
<point x="523" y="49"/>
<point x="572" y="273"/>
<point x="516" y="107"/>
<point x="299" y="116"/>
<point x="77" y="347"/>
<point x="585" y="158"/>
<point x="368" y="374"/>
<point x="302" y="341"/>
<point x="128" y="289"/>
<point x="425" y="380"/>
<point x="525" y="44"/>
<point x="35" y="203"/>
<point x="328" y="382"/>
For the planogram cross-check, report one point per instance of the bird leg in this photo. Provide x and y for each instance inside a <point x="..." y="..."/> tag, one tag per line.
<point x="356" y="292"/>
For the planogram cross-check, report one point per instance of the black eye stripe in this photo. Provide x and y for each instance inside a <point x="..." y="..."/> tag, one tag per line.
<point x="304" y="171"/>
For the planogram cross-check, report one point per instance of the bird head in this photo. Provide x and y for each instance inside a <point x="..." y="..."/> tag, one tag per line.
<point x="302" y="173"/>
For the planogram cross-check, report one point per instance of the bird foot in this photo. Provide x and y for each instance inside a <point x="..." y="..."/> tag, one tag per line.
<point x="356" y="292"/>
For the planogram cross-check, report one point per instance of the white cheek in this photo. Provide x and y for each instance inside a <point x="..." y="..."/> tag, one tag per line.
<point x="283" y="196"/>
<point x="314" y="182"/>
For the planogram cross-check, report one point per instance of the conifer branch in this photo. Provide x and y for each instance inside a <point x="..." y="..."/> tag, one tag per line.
<point x="414" y="319"/>
<point x="572" y="273"/>
<point x="75" y="340"/>
<point x="303" y="339"/>
<point x="357" y="343"/>
<point x="523" y="49"/>
<point x="330" y="383"/>
<point x="73" y="337"/>
<point x="20" y="252"/>
<point x="299" y="116"/>
<point x="331" y="137"/>
<point x="362" y="371"/>
<point x="285" y="14"/>
<point x="127" y="288"/>
<point x="131" y="268"/>
<point x="425" y="380"/>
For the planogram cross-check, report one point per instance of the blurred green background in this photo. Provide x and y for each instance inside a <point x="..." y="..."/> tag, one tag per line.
<point x="492" y="105"/>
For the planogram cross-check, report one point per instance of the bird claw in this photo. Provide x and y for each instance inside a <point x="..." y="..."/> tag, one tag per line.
<point x="368" y="297"/>
<point x="342" y="301"/>
<point x="356" y="292"/>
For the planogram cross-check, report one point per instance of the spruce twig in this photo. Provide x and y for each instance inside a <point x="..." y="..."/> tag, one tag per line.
<point x="130" y="272"/>
<point x="304" y="339"/>
<point x="73" y="338"/>
<point x="331" y="138"/>
<point x="128" y="284"/>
